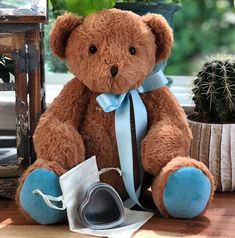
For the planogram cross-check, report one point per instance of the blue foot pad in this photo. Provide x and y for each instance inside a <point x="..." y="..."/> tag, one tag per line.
<point x="186" y="193"/>
<point x="33" y="204"/>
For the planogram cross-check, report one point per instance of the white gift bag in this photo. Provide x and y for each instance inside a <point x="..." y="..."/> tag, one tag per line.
<point x="74" y="185"/>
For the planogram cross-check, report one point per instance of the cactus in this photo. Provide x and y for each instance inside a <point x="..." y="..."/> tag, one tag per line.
<point x="214" y="92"/>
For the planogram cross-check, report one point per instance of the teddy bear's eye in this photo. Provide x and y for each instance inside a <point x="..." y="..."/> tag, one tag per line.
<point x="132" y="50"/>
<point x="92" y="49"/>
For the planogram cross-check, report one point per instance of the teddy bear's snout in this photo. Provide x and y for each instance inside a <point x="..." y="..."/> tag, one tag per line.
<point x="114" y="70"/>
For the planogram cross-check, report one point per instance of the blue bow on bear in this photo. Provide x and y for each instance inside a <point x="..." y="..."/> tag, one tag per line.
<point x="121" y="105"/>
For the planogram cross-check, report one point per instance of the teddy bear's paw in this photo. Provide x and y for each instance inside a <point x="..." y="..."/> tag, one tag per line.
<point x="187" y="193"/>
<point x="48" y="182"/>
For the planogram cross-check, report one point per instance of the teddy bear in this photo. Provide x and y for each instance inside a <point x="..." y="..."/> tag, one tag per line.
<point x="113" y="51"/>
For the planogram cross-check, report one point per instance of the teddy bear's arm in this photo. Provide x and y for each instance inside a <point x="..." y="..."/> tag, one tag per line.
<point x="69" y="105"/>
<point x="169" y="135"/>
<point x="58" y="146"/>
<point x="56" y="137"/>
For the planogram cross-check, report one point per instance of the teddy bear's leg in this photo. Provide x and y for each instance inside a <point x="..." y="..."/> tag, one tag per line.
<point x="59" y="147"/>
<point x="46" y="181"/>
<point x="42" y="175"/>
<point x="183" y="188"/>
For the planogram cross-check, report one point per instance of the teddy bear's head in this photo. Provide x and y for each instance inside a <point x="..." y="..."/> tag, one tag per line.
<point x="111" y="50"/>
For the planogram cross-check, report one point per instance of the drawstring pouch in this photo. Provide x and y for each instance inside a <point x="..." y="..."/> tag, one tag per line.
<point x="93" y="207"/>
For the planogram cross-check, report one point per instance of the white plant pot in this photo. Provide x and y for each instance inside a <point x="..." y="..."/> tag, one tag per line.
<point x="214" y="145"/>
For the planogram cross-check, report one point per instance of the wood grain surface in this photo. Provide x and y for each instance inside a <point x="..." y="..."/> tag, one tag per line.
<point x="219" y="221"/>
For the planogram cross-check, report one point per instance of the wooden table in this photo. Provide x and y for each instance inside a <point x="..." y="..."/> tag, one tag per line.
<point x="219" y="221"/>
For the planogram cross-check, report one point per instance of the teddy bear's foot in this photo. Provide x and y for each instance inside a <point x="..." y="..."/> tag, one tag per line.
<point x="33" y="205"/>
<point x="183" y="188"/>
<point x="187" y="193"/>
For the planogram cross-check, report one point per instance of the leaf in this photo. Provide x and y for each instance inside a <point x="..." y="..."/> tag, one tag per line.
<point x="85" y="7"/>
<point x="58" y="4"/>
<point x="58" y="7"/>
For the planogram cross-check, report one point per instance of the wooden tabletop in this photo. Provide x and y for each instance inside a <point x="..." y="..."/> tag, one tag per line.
<point x="219" y="221"/>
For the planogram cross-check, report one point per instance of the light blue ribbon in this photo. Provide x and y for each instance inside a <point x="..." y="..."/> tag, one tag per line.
<point x="121" y="103"/>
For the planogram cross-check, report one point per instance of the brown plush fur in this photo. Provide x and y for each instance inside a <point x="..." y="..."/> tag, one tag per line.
<point x="114" y="32"/>
<point x="161" y="31"/>
<point x="65" y="25"/>
<point x="169" y="135"/>
<point x="74" y="127"/>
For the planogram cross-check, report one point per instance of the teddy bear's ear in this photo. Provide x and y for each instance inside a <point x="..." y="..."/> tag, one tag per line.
<point x="63" y="27"/>
<point x="163" y="34"/>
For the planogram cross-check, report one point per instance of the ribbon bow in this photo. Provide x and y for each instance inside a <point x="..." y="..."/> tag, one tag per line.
<point x="121" y="105"/>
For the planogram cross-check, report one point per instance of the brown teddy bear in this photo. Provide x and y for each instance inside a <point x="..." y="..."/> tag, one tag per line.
<point x="113" y="51"/>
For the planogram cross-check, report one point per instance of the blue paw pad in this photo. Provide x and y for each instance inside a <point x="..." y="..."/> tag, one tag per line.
<point x="33" y="204"/>
<point x="186" y="193"/>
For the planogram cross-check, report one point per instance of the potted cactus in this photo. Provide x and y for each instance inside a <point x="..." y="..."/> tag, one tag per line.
<point x="213" y="121"/>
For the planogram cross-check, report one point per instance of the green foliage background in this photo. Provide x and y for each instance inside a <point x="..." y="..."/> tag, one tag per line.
<point x="52" y="63"/>
<point x="202" y="28"/>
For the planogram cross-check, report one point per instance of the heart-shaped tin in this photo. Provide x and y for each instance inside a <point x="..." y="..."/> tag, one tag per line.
<point x="102" y="207"/>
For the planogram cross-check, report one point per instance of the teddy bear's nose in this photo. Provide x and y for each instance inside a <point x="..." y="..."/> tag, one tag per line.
<point x="114" y="70"/>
